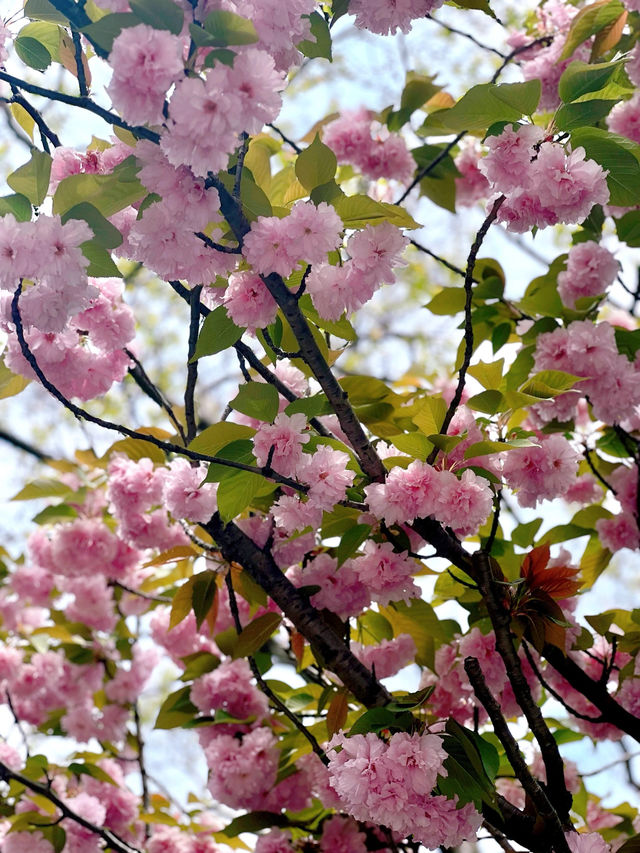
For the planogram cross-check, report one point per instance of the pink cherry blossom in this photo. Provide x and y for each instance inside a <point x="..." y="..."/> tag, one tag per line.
<point x="241" y="771"/>
<point x="286" y="437"/>
<point x="386" y="573"/>
<point x="249" y="302"/>
<point x="590" y="270"/>
<point x="387" y="16"/>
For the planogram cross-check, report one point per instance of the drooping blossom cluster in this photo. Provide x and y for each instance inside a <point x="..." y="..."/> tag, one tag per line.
<point x="374" y="253"/>
<point x="542" y="182"/>
<point x="308" y="232"/>
<point x="391" y="783"/>
<point x="621" y="531"/>
<point x="541" y="472"/>
<point x="420" y="491"/>
<point x="590" y="270"/>
<point x="358" y="140"/>
<point x="207" y="114"/>
<point x="388" y="16"/>
<point x="611" y="383"/>
<point x="453" y="695"/>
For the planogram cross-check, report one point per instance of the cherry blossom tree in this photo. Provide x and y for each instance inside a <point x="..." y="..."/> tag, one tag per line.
<point x="265" y="572"/>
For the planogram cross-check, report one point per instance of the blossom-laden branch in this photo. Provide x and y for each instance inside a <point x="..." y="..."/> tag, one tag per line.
<point x="82" y="414"/>
<point x="329" y="648"/>
<point x="112" y="841"/>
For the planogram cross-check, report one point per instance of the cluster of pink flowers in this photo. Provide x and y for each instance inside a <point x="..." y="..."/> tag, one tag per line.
<point x="391" y="783"/>
<point x="207" y="114"/>
<point x="387" y="657"/>
<point x="621" y="531"/>
<point x="472" y="185"/>
<point x="146" y="62"/>
<point x="543" y="472"/>
<point x="611" y="384"/>
<point x="543" y="184"/>
<point x="66" y="162"/>
<point x="86" y="356"/>
<point x="309" y="232"/>
<point x="229" y="688"/>
<point x="420" y="490"/>
<point x="359" y="141"/>
<point x="374" y="253"/>
<point x="453" y="695"/>
<point x="624" y="118"/>
<point x="590" y="270"/>
<point x="387" y="16"/>
<point x="140" y="496"/>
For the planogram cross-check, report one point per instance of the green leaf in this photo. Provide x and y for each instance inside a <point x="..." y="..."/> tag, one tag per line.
<point x="181" y="603"/>
<point x="43" y="488"/>
<point x="45" y="32"/>
<point x="376" y="625"/>
<point x="321" y="47"/>
<point x="203" y="595"/>
<point x="238" y="489"/>
<point x="215" y="437"/>
<point x="485" y="105"/>
<point x="159" y="14"/>
<point x="257" y="400"/>
<point x="571" y="116"/>
<point x="18" y="205"/>
<point x="104" y="31"/>
<point x="351" y="541"/>
<point x="549" y="383"/>
<point x="254" y="200"/>
<point x="101" y="264"/>
<point x="356" y="211"/>
<point x="525" y="534"/>
<point x="316" y="165"/>
<point x="590" y="21"/>
<point x="107" y="193"/>
<point x="482" y="5"/>
<point x="581" y="77"/>
<point x="363" y="390"/>
<point x="373" y="721"/>
<point x="449" y="301"/>
<point x="32" y="179"/>
<point x="43" y="10"/>
<point x="176" y="710"/>
<point x="252" y="822"/>
<point x="628" y="342"/>
<point x="220" y="54"/>
<point x="32" y="52"/>
<point x="312" y="407"/>
<point x="255" y="634"/>
<point x="616" y="154"/>
<point x="217" y="333"/>
<point x="628" y="228"/>
<point x="420" y="621"/>
<point x="228" y="28"/>
<point x="489" y="402"/>
<point x="106" y="234"/>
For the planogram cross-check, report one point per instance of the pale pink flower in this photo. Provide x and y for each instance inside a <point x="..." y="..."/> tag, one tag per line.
<point x="5" y="35"/>
<point x="331" y="290"/>
<point x="388" y="656"/>
<point x="377" y="250"/>
<point x="274" y="841"/>
<point x="341" y="590"/>
<point x="571" y="185"/>
<point x="93" y="603"/>
<point x="586" y="842"/>
<point x="145" y="62"/>
<point x="472" y="185"/>
<point x="387" y="16"/>
<point x="510" y="155"/>
<point x="286" y="437"/>
<point x="26" y="842"/>
<point x="242" y="771"/>
<point x="230" y="689"/>
<point x="327" y="475"/>
<point x="590" y="270"/>
<point x="292" y="514"/>
<point x="386" y="573"/>
<point x="249" y="302"/>
<point x="463" y="504"/>
<point x="618" y="532"/>
<point x="541" y="473"/>
<point x="624" y="119"/>
<point x="267" y="247"/>
<point x="313" y="231"/>
<point x="186" y="495"/>
<point x="369" y="146"/>
<point x="256" y="87"/>
<point x="342" y="835"/>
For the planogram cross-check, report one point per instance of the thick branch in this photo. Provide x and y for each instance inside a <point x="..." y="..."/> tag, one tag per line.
<point x="236" y="546"/>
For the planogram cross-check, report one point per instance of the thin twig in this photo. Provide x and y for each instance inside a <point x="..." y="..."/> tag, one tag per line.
<point x="242" y="153"/>
<point x="78" y="55"/>
<point x="23" y="445"/>
<point x="426" y="170"/>
<point x="219" y="247"/>
<point x="46" y="134"/>
<point x="284" y="138"/>
<point x="264" y="687"/>
<point x="596" y="473"/>
<point x="143" y="381"/>
<point x="468" y="36"/>
<point x="111" y="839"/>
<point x="468" y="323"/>
<point x="192" y="364"/>
<point x="441" y="260"/>
<point x="143" y="771"/>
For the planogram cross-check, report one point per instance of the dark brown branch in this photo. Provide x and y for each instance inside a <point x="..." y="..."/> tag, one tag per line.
<point x="83" y="103"/>
<point x="468" y="324"/>
<point x="501" y="622"/>
<point x="262" y="684"/>
<point x="192" y="366"/>
<point x="219" y="247"/>
<point x="45" y="131"/>
<point x="468" y="36"/>
<point x="78" y="56"/>
<point x="78" y="19"/>
<point x="284" y="138"/>
<point x="426" y="170"/>
<point x="113" y="841"/>
<point x="242" y="153"/>
<point x="259" y="564"/>
<point x="441" y="260"/>
<point x="531" y="786"/>
<point x="594" y="691"/>
<point x="23" y="445"/>
<point x="144" y="782"/>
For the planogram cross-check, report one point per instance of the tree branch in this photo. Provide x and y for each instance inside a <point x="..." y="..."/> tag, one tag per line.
<point x="192" y="366"/>
<point x="113" y="841"/>
<point x="259" y="564"/>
